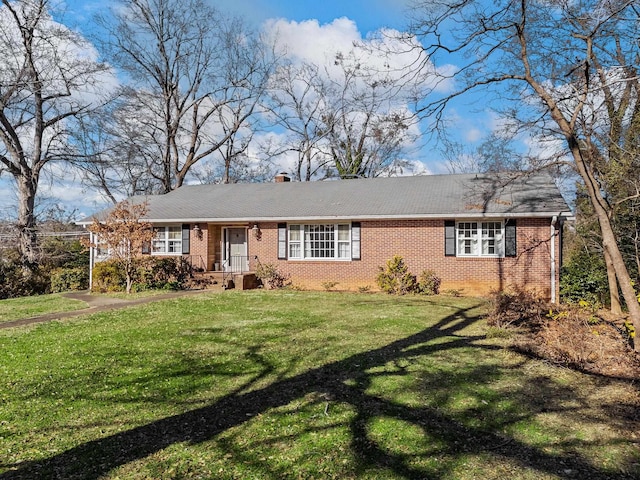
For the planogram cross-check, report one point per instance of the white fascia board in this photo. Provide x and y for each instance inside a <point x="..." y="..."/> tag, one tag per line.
<point x="242" y="220"/>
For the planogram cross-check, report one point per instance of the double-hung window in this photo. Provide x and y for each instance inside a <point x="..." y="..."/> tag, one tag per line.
<point x="491" y="239"/>
<point x="321" y="241"/>
<point x="468" y="238"/>
<point x="167" y="240"/>
<point x="480" y="239"/>
<point x="295" y="241"/>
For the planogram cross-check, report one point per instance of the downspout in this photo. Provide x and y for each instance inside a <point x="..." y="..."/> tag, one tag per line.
<point x="91" y="260"/>
<point x="552" y="268"/>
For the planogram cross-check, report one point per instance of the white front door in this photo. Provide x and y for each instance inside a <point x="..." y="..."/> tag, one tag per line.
<point x="236" y="250"/>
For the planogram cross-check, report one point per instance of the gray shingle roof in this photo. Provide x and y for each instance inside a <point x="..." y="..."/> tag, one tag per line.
<point x="463" y="195"/>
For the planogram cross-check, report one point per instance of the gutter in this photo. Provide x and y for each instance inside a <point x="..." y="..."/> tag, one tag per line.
<point x="348" y="217"/>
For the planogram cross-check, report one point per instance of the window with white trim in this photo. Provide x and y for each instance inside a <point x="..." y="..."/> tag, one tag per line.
<point x="295" y="241"/>
<point x="480" y="239"/>
<point x="167" y="240"/>
<point x="102" y="250"/>
<point x="320" y="241"/>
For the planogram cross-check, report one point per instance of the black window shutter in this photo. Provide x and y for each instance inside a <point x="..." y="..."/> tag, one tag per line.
<point x="450" y="238"/>
<point x="186" y="244"/>
<point x="282" y="241"/>
<point x="510" y="246"/>
<point x="355" y="241"/>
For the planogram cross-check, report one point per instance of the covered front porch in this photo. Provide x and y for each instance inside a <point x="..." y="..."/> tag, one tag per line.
<point x="222" y="248"/>
<point x="220" y="253"/>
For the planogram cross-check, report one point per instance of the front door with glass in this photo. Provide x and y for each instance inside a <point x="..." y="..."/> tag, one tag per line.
<point x="236" y="250"/>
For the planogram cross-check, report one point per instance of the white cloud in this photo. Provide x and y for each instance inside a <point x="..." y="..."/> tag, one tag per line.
<point x="311" y="42"/>
<point x="473" y="135"/>
<point x="414" y="167"/>
<point x="72" y="193"/>
<point x="387" y="51"/>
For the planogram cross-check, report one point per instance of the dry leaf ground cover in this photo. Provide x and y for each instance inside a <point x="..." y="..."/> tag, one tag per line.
<point x="580" y="337"/>
<point x="272" y="385"/>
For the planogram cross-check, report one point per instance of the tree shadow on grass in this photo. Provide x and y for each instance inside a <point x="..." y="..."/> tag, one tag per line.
<point x="347" y="382"/>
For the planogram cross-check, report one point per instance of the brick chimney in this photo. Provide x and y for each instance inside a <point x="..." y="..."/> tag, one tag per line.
<point x="282" y="177"/>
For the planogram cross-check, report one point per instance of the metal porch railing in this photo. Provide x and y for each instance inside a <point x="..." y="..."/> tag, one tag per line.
<point x="238" y="264"/>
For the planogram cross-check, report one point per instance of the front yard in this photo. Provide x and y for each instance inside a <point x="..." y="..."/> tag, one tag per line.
<point x="272" y="385"/>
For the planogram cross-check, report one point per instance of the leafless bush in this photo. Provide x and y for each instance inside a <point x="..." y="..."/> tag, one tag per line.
<point x="517" y="307"/>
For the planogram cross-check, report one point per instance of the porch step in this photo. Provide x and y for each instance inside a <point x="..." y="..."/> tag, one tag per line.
<point x="213" y="280"/>
<point x="207" y="280"/>
<point x="242" y="281"/>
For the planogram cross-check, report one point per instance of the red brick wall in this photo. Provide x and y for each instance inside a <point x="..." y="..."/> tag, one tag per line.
<point x="198" y="242"/>
<point x="421" y="244"/>
<point x="214" y="247"/>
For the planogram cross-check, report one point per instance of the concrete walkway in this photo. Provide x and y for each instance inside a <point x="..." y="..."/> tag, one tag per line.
<point x="97" y="303"/>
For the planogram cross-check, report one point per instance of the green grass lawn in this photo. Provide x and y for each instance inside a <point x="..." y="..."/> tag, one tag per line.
<point x="26" y="307"/>
<point x="272" y="385"/>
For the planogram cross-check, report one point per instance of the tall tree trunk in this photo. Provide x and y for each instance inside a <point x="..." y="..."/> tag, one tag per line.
<point x="608" y="238"/>
<point x="636" y="243"/>
<point x="614" y="294"/>
<point x="307" y="175"/>
<point x="27" y="238"/>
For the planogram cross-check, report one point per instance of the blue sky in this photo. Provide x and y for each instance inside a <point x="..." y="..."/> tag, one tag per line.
<point x="369" y="15"/>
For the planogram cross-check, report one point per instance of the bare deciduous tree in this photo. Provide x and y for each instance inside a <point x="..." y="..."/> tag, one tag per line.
<point x="195" y="79"/>
<point x="351" y="117"/>
<point x="561" y="69"/>
<point x="246" y="67"/>
<point x="48" y="80"/>
<point x="496" y="153"/>
<point x="368" y="120"/>
<point x="297" y="104"/>
<point x="117" y="156"/>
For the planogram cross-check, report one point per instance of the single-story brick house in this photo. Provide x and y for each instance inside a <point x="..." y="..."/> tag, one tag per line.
<point x="478" y="232"/>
